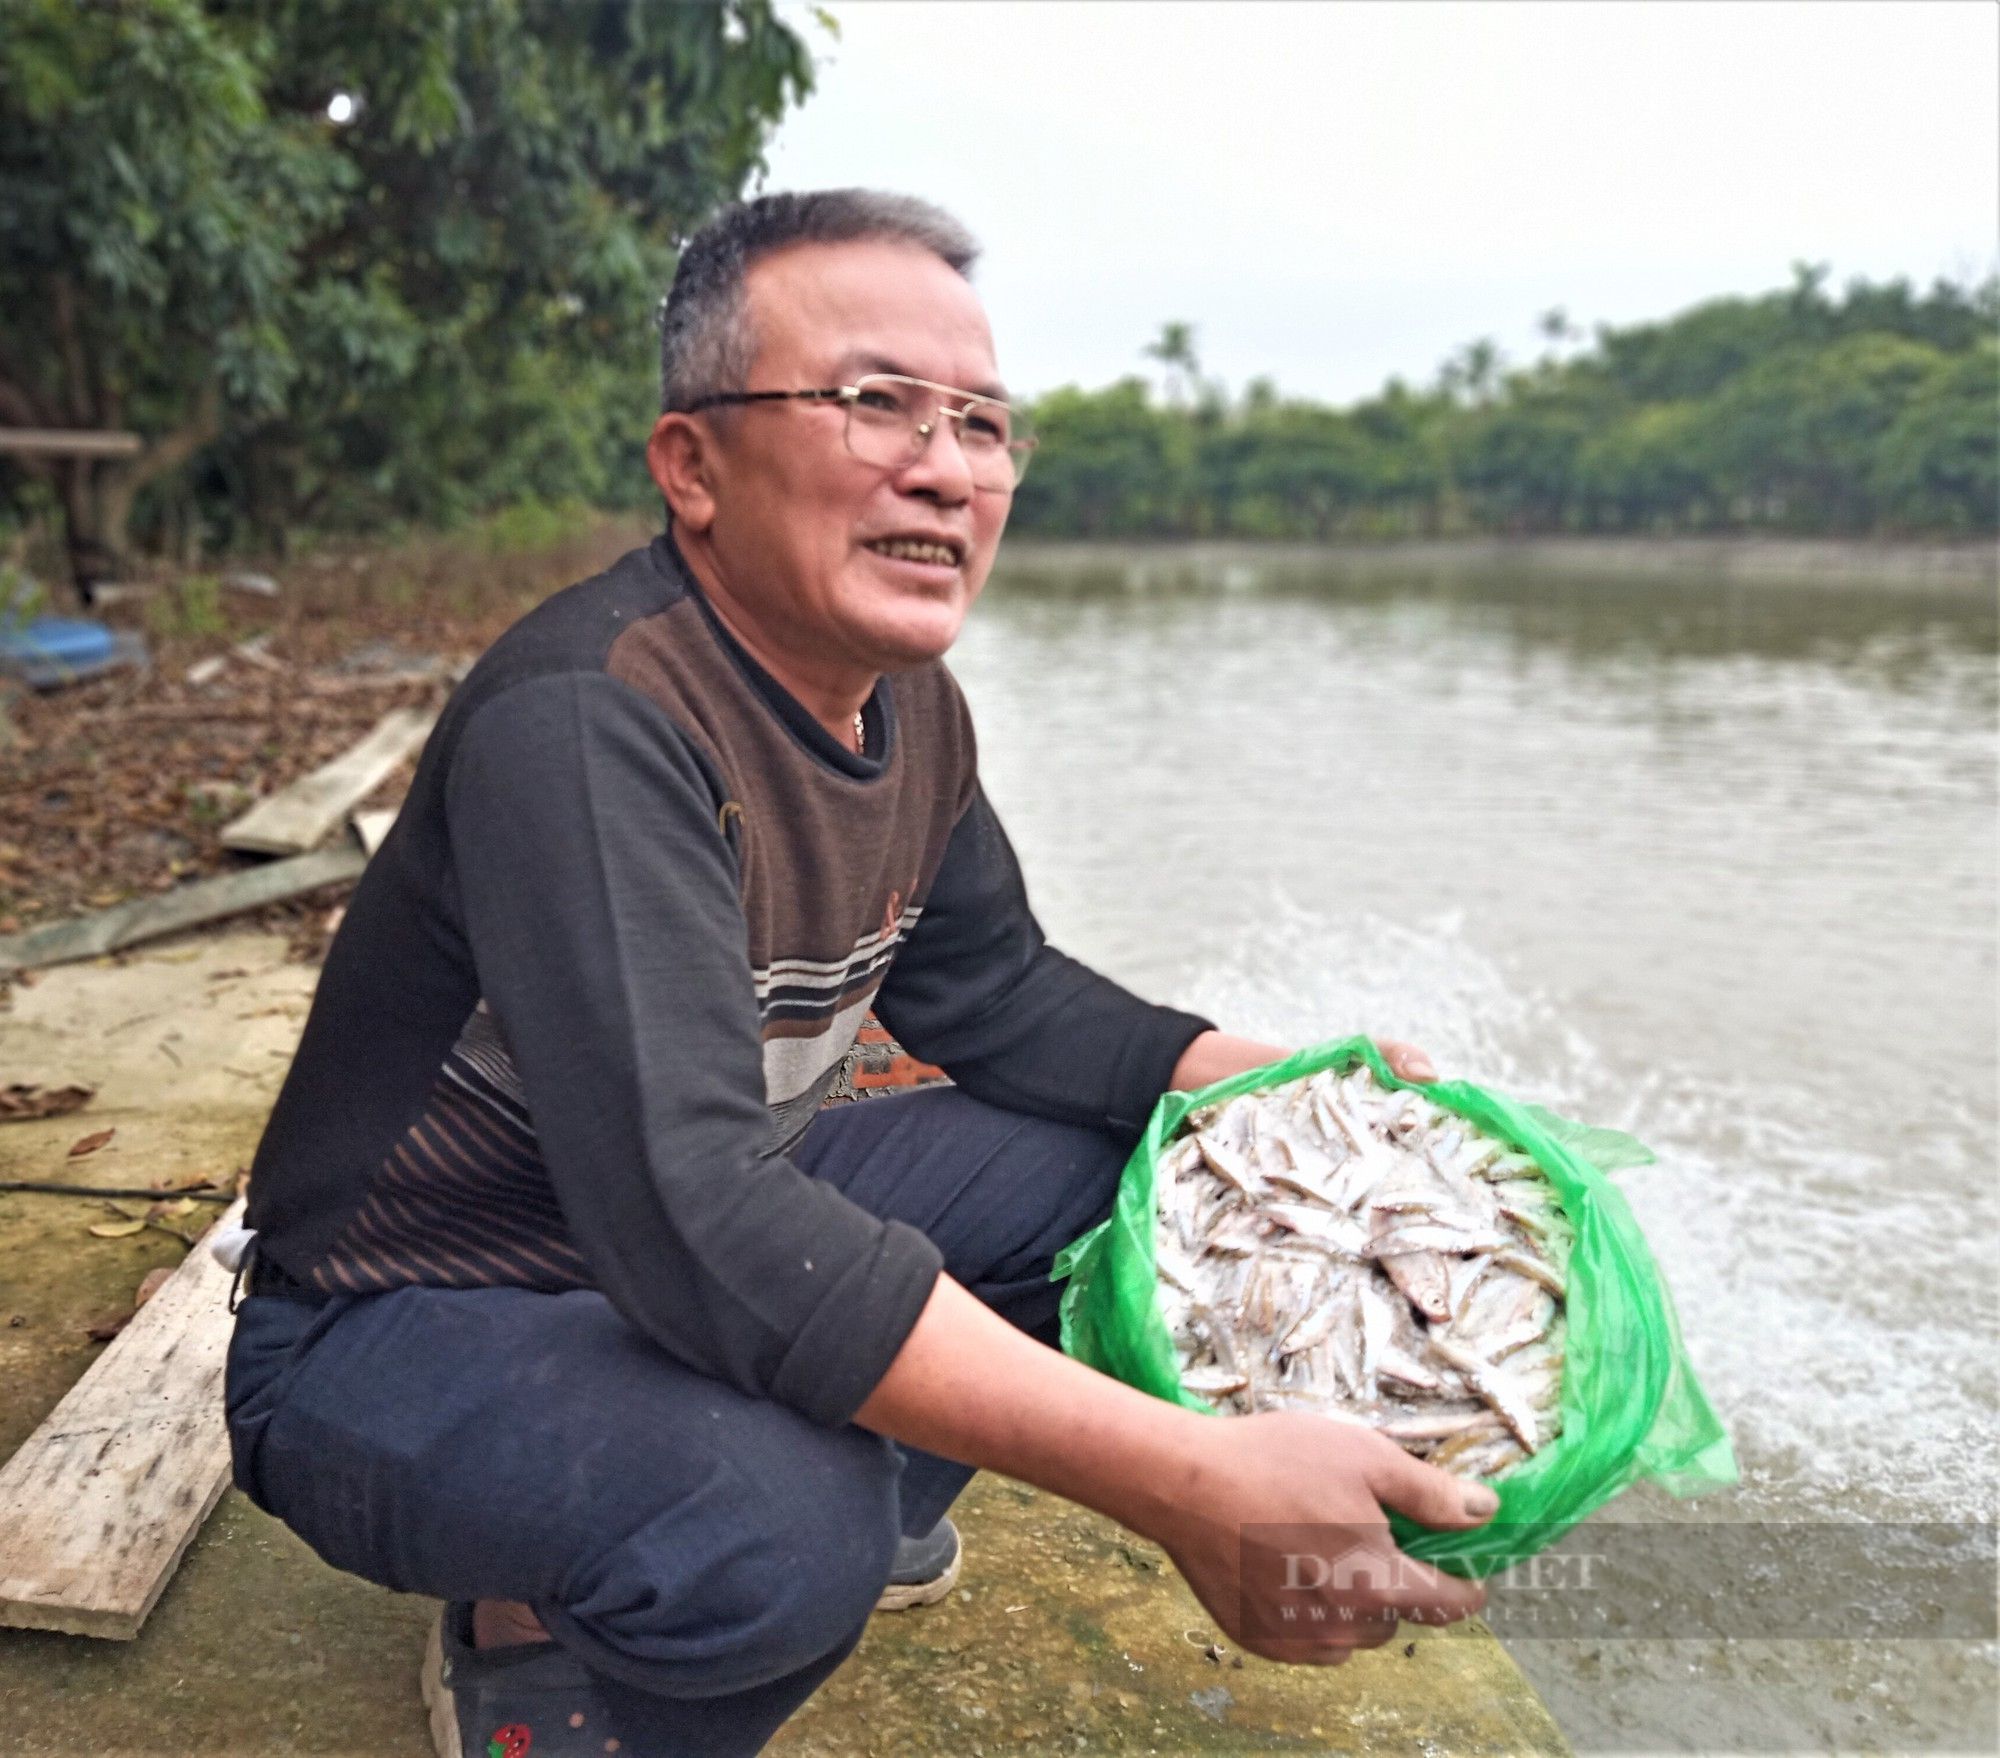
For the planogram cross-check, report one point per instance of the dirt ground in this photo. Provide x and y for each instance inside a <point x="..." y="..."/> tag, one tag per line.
<point x="1068" y="1634"/>
<point x="120" y="785"/>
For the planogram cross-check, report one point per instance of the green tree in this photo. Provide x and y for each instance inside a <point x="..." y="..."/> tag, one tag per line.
<point x="1647" y="469"/>
<point x="1796" y="437"/>
<point x="1937" y="468"/>
<point x="154" y="211"/>
<point x="439" y="302"/>
<point x="1516" y="453"/>
<point x="1174" y="349"/>
<point x="1107" y="465"/>
<point x="1305" y="469"/>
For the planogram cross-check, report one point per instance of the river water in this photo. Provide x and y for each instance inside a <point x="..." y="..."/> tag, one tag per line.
<point x="1711" y="862"/>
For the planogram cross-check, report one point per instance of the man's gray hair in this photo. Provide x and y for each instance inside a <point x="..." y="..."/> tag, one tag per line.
<point x="706" y="342"/>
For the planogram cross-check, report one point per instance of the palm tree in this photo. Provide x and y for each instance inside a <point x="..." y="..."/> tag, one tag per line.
<point x="1175" y="351"/>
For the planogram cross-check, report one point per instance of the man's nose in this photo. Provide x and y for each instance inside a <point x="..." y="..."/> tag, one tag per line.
<point x="941" y="470"/>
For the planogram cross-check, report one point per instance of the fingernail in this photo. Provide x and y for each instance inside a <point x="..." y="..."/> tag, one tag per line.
<point x="1420" y="1068"/>
<point x="1478" y="1500"/>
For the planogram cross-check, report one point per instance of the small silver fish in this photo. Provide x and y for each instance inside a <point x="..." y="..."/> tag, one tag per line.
<point x="1446" y="1421"/>
<point x="1231" y="1164"/>
<point x="1394" y="1364"/>
<point x="1420" y="1275"/>
<point x="1526" y="1263"/>
<point x="1431" y="1234"/>
<point x="1328" y="1228"/>
<point x="1332" y="1245"/>
<point x="1496" y="1386"/>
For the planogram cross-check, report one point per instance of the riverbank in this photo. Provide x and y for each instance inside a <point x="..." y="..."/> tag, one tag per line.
<point x="1787" y="561"/>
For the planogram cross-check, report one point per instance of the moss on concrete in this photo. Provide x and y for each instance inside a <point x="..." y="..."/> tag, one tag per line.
<point x="1071" y="1635"/>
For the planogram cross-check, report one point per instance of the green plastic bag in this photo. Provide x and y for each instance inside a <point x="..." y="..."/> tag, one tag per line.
<point x="1630" y="1405"/>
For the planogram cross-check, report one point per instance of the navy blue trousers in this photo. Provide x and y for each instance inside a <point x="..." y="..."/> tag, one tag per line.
<point x="711" y="1557"/>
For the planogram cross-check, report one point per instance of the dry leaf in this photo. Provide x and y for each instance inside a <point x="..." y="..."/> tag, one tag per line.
<point x="104" y="1329"/>
<point x="150" y="1284"/>
<point x="89" y="1144"/>
<point x="117" y="1229"/>
<point x="20" y="1103"/>
<point x="172" y="1211"/>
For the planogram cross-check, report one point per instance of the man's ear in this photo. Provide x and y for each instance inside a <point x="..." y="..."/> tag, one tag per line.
<point x="680" y="452"/>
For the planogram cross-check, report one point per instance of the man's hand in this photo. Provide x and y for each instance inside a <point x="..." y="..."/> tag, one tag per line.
<point x="968" y="1385"/>
<point x="1286" y="1544"/>
<point x="1216" y="1056"/>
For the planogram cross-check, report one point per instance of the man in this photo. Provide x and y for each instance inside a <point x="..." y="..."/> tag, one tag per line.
<point x="569" y="1305"/>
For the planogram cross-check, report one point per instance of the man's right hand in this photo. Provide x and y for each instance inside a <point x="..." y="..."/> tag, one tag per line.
<point x="1279" y="1527"/>
<point x="1216" y="1493"/>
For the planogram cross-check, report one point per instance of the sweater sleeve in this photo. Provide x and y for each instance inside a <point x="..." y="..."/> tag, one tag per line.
<point x="978" y="990"/>
<point x="599" y="898"/>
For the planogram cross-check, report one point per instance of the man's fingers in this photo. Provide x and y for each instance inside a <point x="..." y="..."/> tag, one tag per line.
<point x="1406" y="1061"/>
<point x="1432" y="1498"/>
<point x="1428" y="1495"/>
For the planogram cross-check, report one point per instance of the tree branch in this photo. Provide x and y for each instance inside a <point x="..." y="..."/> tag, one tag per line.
<point x="172" y="450"/>
<point x="16" y="408"/>
<point x="63" y="305"/>
<point x="18" y="403"/>
<point x="23" y="411"/>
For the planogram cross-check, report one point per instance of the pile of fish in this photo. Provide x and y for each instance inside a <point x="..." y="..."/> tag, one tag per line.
<point x="1336" y="1246"/>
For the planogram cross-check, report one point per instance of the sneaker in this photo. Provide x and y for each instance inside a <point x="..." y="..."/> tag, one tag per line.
<point x="925" y="1570"/>
<point x="530" y="1697"/>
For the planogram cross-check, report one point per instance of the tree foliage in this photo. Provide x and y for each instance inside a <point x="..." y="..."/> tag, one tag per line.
<point x="1877" y="411"/>
<point x="441" y="303"/>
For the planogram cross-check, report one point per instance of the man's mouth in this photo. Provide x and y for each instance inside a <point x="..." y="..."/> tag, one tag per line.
<point x="918" y="549"/>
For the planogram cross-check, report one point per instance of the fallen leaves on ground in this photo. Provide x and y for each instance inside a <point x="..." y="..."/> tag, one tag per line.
<point x="194" y="1181"/>
<point x="22" y="1104"/>
<point x="89" y="1144"/>
<point x="120" y="786"/>
<point x="102" y="1330"/>
<point x="116" y="1229"/>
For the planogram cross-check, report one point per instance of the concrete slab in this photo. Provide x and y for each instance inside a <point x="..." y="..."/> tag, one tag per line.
<point x="1068" y="1634"/>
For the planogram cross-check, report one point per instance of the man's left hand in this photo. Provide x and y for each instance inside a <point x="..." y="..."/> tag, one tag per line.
<point x="1406" y="1061"/>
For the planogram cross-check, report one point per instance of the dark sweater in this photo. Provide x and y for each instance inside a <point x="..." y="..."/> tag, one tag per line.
<point x="611" y="957"/>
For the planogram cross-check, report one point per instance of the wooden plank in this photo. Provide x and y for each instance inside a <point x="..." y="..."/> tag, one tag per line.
<point x="299" y="817"/>
<point x="186" y="906"/>
<point x="102" y="1501"/>
<point x="69" y="442"/>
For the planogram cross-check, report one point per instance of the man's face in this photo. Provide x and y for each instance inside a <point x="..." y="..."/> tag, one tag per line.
<point x="797" y="529"/>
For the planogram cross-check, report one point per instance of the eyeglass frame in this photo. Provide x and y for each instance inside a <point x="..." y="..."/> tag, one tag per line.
<point x="848" y="395"/>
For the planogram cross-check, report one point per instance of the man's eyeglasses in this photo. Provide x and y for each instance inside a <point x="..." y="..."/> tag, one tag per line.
<point x="890" y="421"/>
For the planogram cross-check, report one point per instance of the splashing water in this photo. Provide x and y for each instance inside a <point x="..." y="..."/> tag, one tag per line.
<point x="1755" y="1210"/>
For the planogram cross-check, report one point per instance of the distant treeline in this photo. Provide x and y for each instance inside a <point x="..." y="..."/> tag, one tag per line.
<point x="1874" y="412"/>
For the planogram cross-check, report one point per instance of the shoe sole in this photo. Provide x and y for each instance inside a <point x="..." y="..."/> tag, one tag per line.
<point x="438" y="1699"/>
<point x="901" y="1597"/>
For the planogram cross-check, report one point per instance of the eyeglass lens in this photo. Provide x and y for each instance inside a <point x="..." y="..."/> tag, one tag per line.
<point x="890" y="420"/>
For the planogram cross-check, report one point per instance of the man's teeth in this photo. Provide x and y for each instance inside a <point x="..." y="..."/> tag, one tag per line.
<point x="912" y="549"/>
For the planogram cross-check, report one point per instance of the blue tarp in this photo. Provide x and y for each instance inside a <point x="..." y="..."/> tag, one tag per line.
<point x="45" y="652"/>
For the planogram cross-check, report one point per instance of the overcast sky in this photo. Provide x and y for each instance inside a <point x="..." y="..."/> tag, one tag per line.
<point x="1334" y="193"/>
